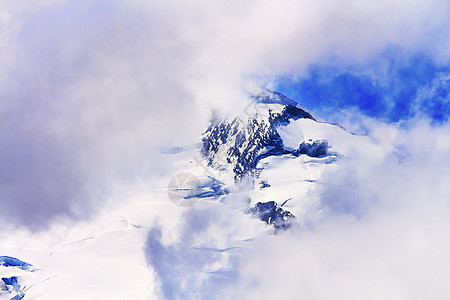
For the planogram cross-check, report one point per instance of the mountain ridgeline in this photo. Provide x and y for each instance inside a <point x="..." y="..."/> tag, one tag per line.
<point x="241" y="143"/>
<point x="276" y="143"/>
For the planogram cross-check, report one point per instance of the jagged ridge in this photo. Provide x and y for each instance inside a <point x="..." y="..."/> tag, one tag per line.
<point x="243" y="145"/>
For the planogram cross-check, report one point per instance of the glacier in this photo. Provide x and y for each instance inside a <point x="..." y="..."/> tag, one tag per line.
<point x="269" y="159"/>
<point x="253" y="175"/>
<point x="11" y="283"/>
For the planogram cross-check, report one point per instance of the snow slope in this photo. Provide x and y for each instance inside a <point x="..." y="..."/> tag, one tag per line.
<point x="249" y="168"/>
<point x="274" y="144"/>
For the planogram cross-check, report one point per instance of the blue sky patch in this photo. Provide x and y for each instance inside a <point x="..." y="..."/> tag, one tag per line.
<point x="391" y="88"/>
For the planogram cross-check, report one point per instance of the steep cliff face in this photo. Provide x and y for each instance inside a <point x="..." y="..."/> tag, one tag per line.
<point x="239" y="147"/>
<point x="257" y="173"/>
<point x="282" y="150"/>
<point x="238" y="144"/>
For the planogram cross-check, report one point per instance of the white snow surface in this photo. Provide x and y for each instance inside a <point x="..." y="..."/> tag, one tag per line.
<point x="105" y="258"/>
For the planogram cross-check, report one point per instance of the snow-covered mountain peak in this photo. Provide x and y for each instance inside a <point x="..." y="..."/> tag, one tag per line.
<point x="261" y="168"/>
<point x="236" y="144"/>
<point x="281" y="149"/>
<point x="268" y="96"/>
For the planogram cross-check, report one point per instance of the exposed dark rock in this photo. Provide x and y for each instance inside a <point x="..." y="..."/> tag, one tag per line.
<point x="316" y="149"/>
<point x="271" y="213"/>
<point x="247" y="144"/>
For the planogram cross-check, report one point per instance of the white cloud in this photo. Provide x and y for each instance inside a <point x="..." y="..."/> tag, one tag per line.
<point x="396" y="249"/>
<point x="90" y="90"/>
<point x="378" y="230"/>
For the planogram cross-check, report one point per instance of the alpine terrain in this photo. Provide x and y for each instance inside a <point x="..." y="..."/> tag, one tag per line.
<point x="253" y="174"/>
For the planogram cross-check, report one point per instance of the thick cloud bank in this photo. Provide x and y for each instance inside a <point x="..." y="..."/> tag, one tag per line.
<point x="379" y="230"/>
<point x="382" y="233"/>
<point x="90" y="91"/>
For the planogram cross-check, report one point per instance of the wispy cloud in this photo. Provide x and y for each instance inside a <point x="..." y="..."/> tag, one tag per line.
<point x="185" y="269"/>
<point x="378" y="230"/>
<point x="88" y="90"/>
<point x="388" y="241"/>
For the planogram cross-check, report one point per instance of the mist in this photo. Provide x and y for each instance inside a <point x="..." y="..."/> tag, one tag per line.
<point x="91" y="91"/>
